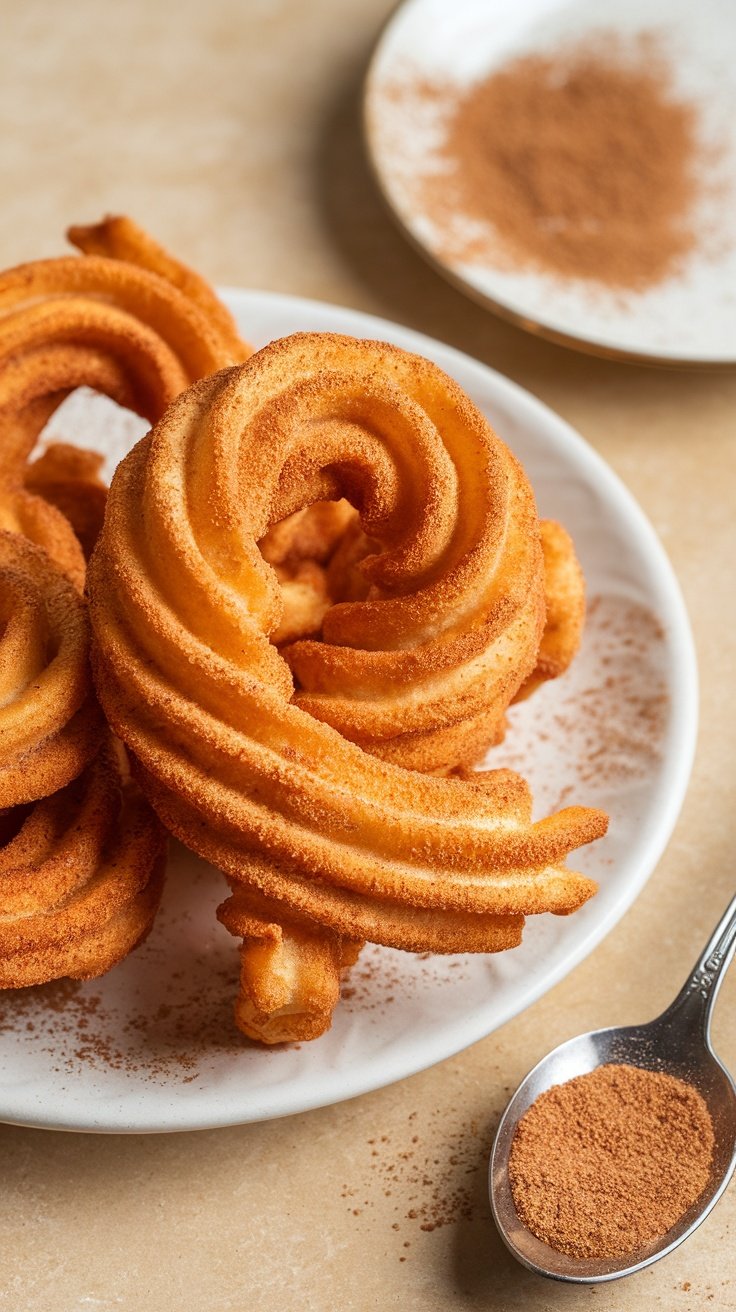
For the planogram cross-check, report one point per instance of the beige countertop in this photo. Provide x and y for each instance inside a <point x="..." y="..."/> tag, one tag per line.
<point x="232" y="131"/>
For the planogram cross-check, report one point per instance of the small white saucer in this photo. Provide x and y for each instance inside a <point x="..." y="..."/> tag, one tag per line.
<point x="689" y="319"/>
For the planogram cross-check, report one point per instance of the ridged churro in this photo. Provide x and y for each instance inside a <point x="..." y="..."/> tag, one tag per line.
<point x="278" y="765"/>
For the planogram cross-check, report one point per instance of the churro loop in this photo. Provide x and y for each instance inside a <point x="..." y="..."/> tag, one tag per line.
<point x="50" y="723"/>
<point x="564" y="595"/>
<point x="81" y="875"/>
<point x="119" y="238"/>
<point x="317" y="554"/>
<point x="269" y="785"/>
<point x="68" y="477"/>
<point x="134" y="325"/>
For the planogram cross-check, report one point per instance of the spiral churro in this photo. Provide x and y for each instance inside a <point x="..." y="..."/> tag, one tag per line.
<point x="81" y="859"/>
<point x="50" y="723"/>
<point x="81" y="874"/>
<point x="280" y="768"/>
<point x="81" y="853"/>
<point x="128" y="321"/>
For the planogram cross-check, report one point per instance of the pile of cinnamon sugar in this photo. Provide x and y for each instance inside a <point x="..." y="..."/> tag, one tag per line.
<point x="583" y="163"/>
<point x="603" y="1165"/>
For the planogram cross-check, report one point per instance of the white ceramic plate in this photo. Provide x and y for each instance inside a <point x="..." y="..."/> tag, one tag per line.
<point x="152" y="1045"/>
<point x="689" y="319"/>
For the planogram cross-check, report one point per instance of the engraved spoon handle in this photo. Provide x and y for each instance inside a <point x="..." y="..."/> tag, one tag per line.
<point x="694" y="1003"/>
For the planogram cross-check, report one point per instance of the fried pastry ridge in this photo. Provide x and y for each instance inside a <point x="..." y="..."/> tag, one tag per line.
<point x="317" y="554"/>
<point x="81" y="874"/>
<point x="50" y="722"/>
<point x="81" y="854"/>
<point x="272" y="782"/>
<point x="119" y="238"/>
<point x="130" y="322"/>
<point x="564" y="592"/>
<point x="289" y="970"/>
<point x="69" y="478"/>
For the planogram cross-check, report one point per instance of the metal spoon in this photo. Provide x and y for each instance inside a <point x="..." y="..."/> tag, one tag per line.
<point x="677" y="1042"/>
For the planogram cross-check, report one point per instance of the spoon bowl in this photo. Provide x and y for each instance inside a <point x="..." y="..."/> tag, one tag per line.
<point x="676" y="1043"/>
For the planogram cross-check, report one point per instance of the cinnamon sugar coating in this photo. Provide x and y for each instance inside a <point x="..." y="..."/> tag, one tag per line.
<point x="81" y="874"/>
<point x="69" y="478"/>
<point x="81" y="853"/>
<point x="317" y="555"/>
<point x="129" y="321"/>
<point x="270" y="781"/>
<point x="50" y="722"/>
<point x="289" y="970"/>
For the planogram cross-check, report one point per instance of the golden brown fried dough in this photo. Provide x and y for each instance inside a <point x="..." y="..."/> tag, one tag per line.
<point x="564" y="593"/>
<point x="81" y="875"/>
<point x="289" y="970"/>
<point x="50" y="722"/>
<point x="133" y="324"/>
<point x="119" y="238"/>
<point x="276" y="788"/>
<point x="81" y="869"/>
<point x="317" y="558"/>
<point x="69" y="478"/>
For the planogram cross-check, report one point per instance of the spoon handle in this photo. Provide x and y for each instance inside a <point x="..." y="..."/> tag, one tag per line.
<point x="697" y="996"/>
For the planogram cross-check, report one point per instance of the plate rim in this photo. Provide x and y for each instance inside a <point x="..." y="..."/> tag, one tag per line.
<point x="682" y="682"/>
<point x="599" y="348"/>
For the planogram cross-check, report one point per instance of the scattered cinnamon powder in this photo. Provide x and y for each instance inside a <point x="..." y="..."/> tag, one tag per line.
<point x="583" y="162"/>
<point x="606" y="1163"/>
<point x="603" y="725"/>
<point x="379" y="979"/>
<point x="431" y="1182"/>
<point x="73" y="1027"/>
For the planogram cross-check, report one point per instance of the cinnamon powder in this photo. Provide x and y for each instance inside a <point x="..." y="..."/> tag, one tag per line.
<point x="581" y="163"/>
<point x="603" y="1165"/>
